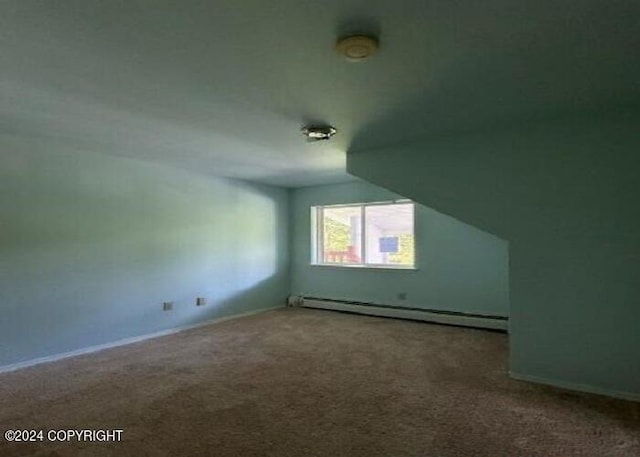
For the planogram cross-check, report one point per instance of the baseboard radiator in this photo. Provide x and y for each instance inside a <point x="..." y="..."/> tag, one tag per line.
<point x="498" y="323"/>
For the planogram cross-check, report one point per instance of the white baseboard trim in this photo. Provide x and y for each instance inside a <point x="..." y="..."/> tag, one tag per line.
<point x="125" y="341"/>
<point x="412" y="314"/>
<point x="577" y="387"/>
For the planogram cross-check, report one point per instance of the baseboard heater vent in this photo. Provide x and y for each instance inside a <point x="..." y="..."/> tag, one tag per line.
<point x="417" y="314"/>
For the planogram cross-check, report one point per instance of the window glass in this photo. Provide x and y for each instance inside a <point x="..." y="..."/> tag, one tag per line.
<point x="389" y="234"/>
<point x="367" y="234"/>
<point x="342" y="235"/>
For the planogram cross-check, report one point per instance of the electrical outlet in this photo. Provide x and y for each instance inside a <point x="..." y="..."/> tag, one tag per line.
<point x="201" y="301"/>
<point x="167" y="306"/>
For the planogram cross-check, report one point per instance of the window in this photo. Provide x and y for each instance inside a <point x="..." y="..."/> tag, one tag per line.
<point x="377" y="235"/>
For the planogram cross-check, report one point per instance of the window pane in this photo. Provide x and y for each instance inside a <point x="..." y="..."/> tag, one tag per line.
<point x="389" y="234"/>
<point x="342" y="235"/>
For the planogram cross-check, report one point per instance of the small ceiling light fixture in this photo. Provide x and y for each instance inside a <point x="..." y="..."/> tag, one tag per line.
<point x="318" y="132"/>
<point x="357" y="48"/>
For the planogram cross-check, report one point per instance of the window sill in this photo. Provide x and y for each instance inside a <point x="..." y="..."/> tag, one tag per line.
<point x="365" y="267"/>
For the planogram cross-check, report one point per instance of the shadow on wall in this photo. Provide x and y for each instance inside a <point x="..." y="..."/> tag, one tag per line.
<point x="92" y="246"/>
<point x="564" y="193"/>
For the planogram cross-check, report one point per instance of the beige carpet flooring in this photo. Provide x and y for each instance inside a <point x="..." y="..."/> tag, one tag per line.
<point x="299" y="382"/>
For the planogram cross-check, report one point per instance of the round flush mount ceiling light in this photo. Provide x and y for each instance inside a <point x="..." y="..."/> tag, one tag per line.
<point x="318" y="132"/>
<point x="357" y="48"/>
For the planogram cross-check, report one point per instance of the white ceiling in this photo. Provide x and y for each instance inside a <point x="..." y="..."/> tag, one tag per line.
<point x="222" y="87"/>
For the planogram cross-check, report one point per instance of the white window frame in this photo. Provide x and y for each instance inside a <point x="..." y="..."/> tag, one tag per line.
<point x="317" y="236"/>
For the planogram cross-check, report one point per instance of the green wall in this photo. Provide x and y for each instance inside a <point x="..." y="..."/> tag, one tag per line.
<point x="564" y="192"/>
<point x="460" y="268"/>
<point x="91" y="245"/>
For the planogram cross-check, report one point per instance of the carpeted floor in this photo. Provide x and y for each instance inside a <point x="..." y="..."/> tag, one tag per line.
<point x="298" y="382"/>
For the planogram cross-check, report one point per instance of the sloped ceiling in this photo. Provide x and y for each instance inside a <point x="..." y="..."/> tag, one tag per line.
<point x="223" y="87"/>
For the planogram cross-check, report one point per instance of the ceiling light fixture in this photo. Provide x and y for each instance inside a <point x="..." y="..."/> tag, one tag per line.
<point x="357" y="48"/>
<point x="318" y="132"/>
